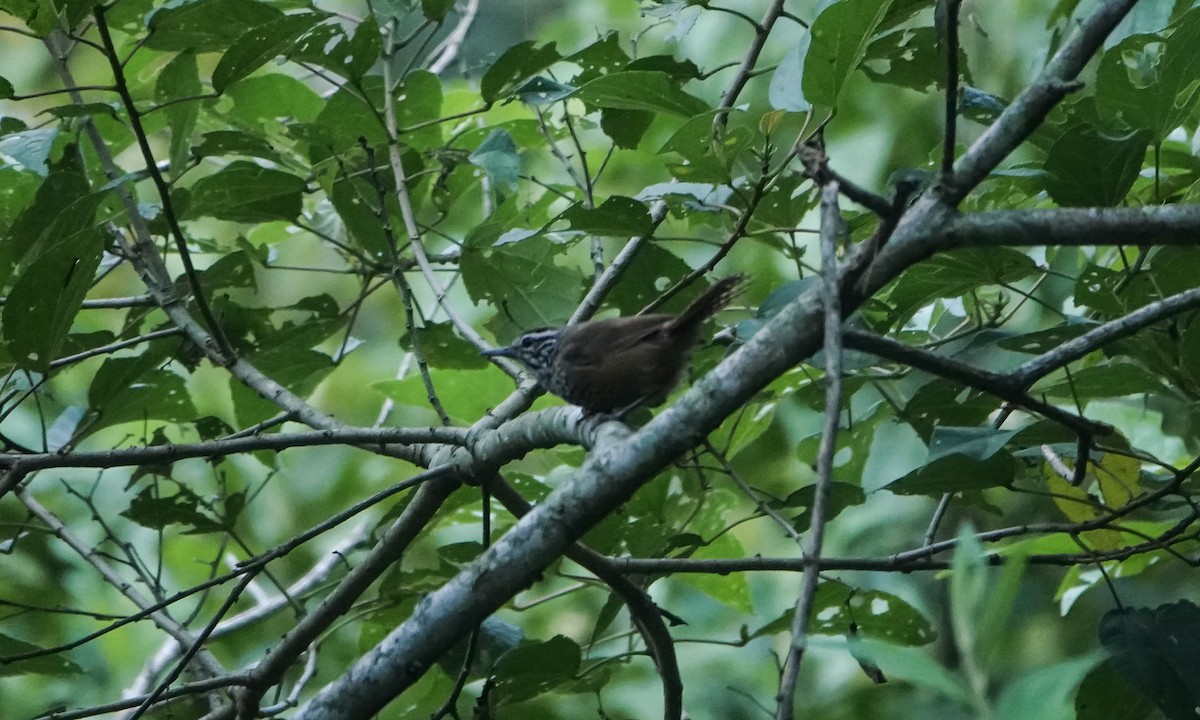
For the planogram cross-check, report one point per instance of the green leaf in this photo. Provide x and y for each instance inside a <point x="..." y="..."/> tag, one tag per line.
<point x="956" y="473"/>
<point x="270" y="100"/>
<point x="83" y="110"/>
<point x="641" y="90"/>
<point x="1040" y="341"/>
<point x="680" y="70"/>
<point x="419" y="101"/>
<point x="53" y="665"/>
<point x="1150" y="84"/>
<point x="1106" y="695"/>
<point x="45" y="16"/>
<point x="64" y="198"/>
<point x="497" y="155"/>
<point x="514" y="67"/>
<point x="617" y="216"/>
<point x="732" y="589"/>
<point x="20" y="189"/>
<point x="329" y="46"/>
<point x="220" y="143"/>
<point x="348" y="119"/>
<point x="740" y="430"/>
<point x="245" y="192"/>
<point x="842" y="610"/>
<point x="120" y="375"/>
<point x="50" y="287"/>
<point x="357" y="206"/>
<point x="911" y="665"/>
<point x="978" y="443"/>
<point x="840" y="36"/>
<point x="152" y="510"/>
<point x="465" y="394"/>
<point x="180" y="79"/>
<point x="625" y="127"/>
<point x="841" y="496"/>
<point x="941" y="401"/>
<point x="786" y="89"/>
<point x="444" y="348"/>
<point x="46" y="297"/>
<point x="1088" y="168"/>
<point x="1102" y="381"/>
<point x="969" y="588"/>
<point x="156" y="395"/>
<point x="6" y="89"/>
<point x="901" y="10"/>
<point x="955" y="274"/>
<point x="652" y="269"/>
<point x="603" y="57"/>
<point x="540" y="91"/>
<point x="204" y="25"/>
<point x="910" y="58"/>
<point x="523" y="279"/>
<point x="30" y="148"/>
<point x="709" y="159"/>
<point x="297" y="370"/>
<point x="436" y="10"/>
<point x="1046" y="693"/>
<point x="261" y="44"/>
<point x="533" y="669"/>
<point x="782" y="206"/>
<point x="1153" y="650"/>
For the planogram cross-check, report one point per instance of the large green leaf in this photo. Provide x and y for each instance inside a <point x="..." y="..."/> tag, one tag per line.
<point x="45" y="664"/>
<point x="205" y="25"/>
<point x="839" y="609"/>
<point x="1088" y="168"/>
<point x="956" y="473"/>
<point x="514" y="67"/>
<point x="620" y="216"/>
<point x="261" y="44"/>
<point x="641" y="90"/>
<point x="329" y="46"/>
<point x="532" y="669"/>
<point x="1046" y="693"/>
<point x="178" y="90"/>
<point x="49" y="288"/>
<point x="1150" y="84"/>
<point x="245" y="192"/>
<point x="840" y="37"/>
<point x="1106" y="695"/>
<point x="522" y="279"/>
<point x="63" y="199"/>
<point x="1153" y="651"/>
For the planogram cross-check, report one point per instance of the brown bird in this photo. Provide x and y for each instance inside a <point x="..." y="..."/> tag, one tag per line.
<point x="612" y="366"/>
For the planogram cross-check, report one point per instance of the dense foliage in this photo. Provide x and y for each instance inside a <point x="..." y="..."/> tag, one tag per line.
<point x="938" y="460"/>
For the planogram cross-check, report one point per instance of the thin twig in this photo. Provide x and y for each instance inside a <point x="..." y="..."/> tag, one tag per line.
<point x="447" y="50"/>
<point x="950" y="43"/>
<point x="831" y="227"/>
<point x="164" y="192"/>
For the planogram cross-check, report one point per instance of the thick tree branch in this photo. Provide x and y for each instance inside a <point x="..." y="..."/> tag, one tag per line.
<point x="1030" y="108"/>
<point x="1155" y="225"/>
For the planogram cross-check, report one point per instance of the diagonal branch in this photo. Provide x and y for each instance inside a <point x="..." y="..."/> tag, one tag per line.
<point x="1030" y="108"/>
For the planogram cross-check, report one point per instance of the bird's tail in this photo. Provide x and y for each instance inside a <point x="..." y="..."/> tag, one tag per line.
<point x="711" y="301"/>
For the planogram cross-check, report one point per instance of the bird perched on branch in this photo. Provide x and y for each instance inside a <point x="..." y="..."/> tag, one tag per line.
<point x="612" y="366"/>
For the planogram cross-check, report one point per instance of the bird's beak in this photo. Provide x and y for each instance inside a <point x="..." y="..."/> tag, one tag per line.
<point x="499" y="352"/>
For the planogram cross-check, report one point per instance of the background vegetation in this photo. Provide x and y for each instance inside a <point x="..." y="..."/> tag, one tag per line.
<point x="254" y="463"/>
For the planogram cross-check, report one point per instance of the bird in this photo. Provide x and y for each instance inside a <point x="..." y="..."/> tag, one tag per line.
<point x="611" y="366"/>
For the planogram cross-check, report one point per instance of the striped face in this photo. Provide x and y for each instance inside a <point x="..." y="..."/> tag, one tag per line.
<point x="535" y="350"/>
